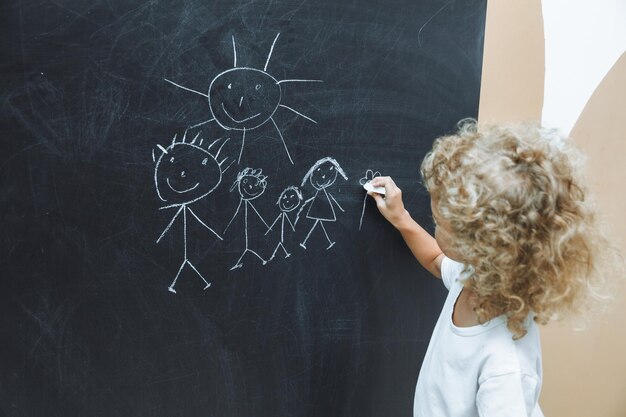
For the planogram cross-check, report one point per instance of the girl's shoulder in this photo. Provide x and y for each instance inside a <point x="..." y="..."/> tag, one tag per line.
<point x="452" y="272"/>
<point x="502" y="354"/>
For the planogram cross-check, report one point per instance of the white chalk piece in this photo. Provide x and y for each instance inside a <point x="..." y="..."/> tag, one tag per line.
<point x="378" y="190"/>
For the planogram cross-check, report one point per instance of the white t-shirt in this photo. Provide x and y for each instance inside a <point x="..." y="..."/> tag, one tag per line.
<point x="479" y="370"/>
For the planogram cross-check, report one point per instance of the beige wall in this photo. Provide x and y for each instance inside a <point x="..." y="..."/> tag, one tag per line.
<point x="584" y="371"/>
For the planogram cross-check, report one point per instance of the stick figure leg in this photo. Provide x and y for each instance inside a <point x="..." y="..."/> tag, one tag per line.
<point x="329" y="241"/>
<point x="287" y="254"/>
<point x="171" y="287"/>
<point x="258" y="256"/>
<point x="207" y="284"/>
<point x="238" y="264"/>
<point x="303" y="244"/>
<point x="280" y="245"/>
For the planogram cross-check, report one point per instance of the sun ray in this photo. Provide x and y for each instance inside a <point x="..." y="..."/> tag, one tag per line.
<point x="153" y="160"/>
<point x="221" y="146"/>
<point x="213" y="143"/>
<point x="202" y="123"/>
<point x="223" y="160"/>
<point x="174" y="138"/>
<point x="243" y="142"/>
<point x="299" y="81"/>
<point x="162" y="148"/>
<point x="201" y="140"/>
<point x="298" y="113"/>
<point x="195" y="138"/>
<point x="234" y="52"/>
<point x="229" y="165"/>
<point x="185" y="88"/>
<point x="270" y="54"/>
<point x="281" y="138"/>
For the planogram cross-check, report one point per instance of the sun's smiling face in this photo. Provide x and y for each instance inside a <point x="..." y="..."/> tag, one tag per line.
<point x="243" y="98"/>
<point x="324" y="175"/>
<point x="186" y="173"/>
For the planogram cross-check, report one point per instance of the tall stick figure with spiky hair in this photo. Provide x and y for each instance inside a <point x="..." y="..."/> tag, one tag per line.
<point x="322" y="175"/>
<point x="185" y="173"/>
<point x="244" y="98"/>
<point x="251" y="184"/>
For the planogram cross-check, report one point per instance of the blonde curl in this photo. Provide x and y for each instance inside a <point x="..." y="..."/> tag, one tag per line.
<point x="522" y="219"/>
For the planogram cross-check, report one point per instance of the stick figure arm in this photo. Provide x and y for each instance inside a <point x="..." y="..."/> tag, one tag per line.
<point x="204" y="224"/>
<point x="302" y="208"/>
<point x="235" y="215"/>
<point x="170" y="224"/>
<point x="340" y="208"/>
<point x="269" y="229"/>
<point x="260" y="217"/>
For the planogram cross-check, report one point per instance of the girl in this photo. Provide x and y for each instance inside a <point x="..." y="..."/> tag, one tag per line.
<point x="516" y="244"/>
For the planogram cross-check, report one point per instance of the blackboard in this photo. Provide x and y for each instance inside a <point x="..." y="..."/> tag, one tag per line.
<point x="97" y="94"/>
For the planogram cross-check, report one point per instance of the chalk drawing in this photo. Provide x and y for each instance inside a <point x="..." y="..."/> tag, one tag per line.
<point x="369" y="175"/>
<point x="419" y="33"/>
<point x="184" y="173"/>
<point x="288" y="201"/>
<point x="244" y="98"/>
<point x="251" y="184"/>
<point x="321" y="209"/>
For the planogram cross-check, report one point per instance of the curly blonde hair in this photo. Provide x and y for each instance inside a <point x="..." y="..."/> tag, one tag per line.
<point x="518" y="209"/>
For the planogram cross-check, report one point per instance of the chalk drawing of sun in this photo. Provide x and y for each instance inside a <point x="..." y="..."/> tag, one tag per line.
<point x="244" y="98"/>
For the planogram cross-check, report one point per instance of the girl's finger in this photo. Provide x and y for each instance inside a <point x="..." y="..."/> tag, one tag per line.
<point x="380" y="201"/>
<point x="381" y="181"/>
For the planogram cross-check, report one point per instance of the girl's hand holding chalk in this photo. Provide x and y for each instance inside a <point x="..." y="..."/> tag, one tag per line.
<point x="391" y="205"/>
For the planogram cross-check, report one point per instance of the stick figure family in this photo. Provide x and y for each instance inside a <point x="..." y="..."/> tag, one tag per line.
<point x="242" y="99"/>
<point x="186" y="172"/>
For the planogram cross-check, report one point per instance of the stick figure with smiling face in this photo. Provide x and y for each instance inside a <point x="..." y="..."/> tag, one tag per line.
<point x="322" y="175"/>
<point x="244" y="98"/>
<point x="183" y="174"/>
<point x="288" y="201"/>
<point x="251" y="184"/>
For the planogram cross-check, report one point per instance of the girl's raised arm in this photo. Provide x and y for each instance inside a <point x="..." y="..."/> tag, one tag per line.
<point x="423" y="246"/>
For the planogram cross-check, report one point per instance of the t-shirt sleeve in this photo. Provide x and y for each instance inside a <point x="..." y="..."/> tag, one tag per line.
<point x="450" y="271"/>
<point x="509" y="395"/>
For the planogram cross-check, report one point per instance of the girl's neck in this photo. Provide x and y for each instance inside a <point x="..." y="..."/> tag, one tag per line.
<point x="464" y="314"/>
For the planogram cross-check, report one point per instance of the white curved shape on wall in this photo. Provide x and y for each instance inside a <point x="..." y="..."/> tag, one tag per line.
<point x="584" y="39"/>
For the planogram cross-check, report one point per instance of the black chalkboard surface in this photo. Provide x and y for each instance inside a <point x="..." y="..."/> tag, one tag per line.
<point x="183" y="228"/>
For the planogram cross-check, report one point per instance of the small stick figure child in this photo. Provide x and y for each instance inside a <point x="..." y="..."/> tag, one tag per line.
<point x="184" y="174"/>
<point x="321" y="176"/>
<point x="251" y="184"/>
<point x="288" y="201"/>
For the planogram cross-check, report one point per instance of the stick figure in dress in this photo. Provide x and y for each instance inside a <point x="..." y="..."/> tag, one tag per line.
<point x="184" y="174"/>
<point x="251" y="184"/>
<point x="288" y="201"/>
<point x="322" y="205"/>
